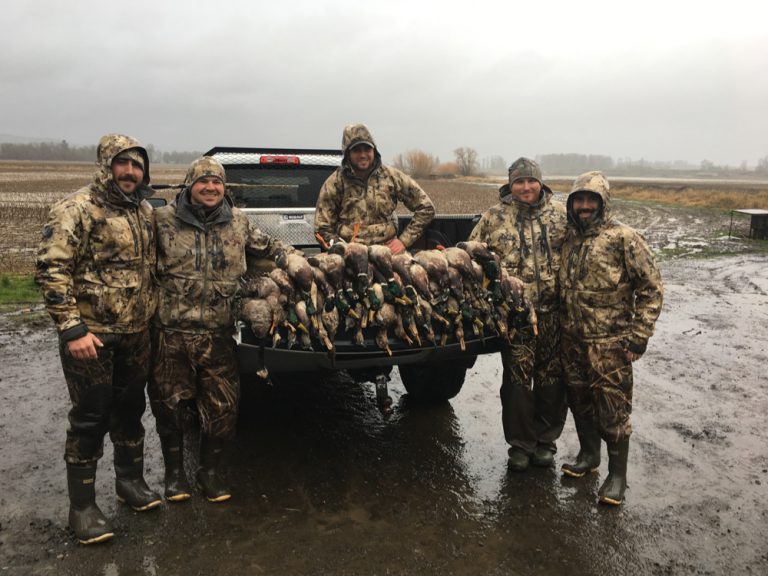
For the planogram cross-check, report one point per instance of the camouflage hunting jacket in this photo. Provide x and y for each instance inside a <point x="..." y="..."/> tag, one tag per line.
<point x="97" y="254"/>
<point x="349" y="207"/>
<point x="201" y="258"/>
<point x="610" y="286"/>
<point x="527" y="238"/>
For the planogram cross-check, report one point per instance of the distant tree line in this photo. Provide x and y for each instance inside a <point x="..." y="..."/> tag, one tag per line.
<point x="574" y="163"/>
<point x="63" y="151"/>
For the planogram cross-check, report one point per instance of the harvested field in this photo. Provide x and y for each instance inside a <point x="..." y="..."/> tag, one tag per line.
<point x="675" y="215"/>
<point x="28" y="189"/>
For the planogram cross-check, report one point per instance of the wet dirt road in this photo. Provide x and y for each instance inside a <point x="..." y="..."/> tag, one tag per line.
<point x="324" y="484"/>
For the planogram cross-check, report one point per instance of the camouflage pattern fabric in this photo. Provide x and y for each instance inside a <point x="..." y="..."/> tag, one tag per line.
<point x="97" y="254"/>
<point x="611" y="295"/>
<point x="199" y="368"/>
<point x="107" y="395"/>
<point x="524" y="168"/>
<point x="354" y="134"/>
<point x="132" y="154"/>
<point x="528" y="239"/>
<point x="201" y="258"/>
<point x="599" y="386"/>
<point x="111" y="146"/>
<point x="202" y="167"/>
<point x="364" y="209"/>
<point x="611" y="288"/>
<point x="533" y="396"/>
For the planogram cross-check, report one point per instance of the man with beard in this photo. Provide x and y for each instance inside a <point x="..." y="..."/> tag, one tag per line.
<point x="94" y="268"/>
<point x="357" y="202"/>
<point x="611" y="296"/>
<point x="202" y="240"/>
<point x="526" y="230"/>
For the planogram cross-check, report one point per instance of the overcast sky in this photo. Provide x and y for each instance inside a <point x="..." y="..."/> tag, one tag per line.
<point x="654" y="79"/>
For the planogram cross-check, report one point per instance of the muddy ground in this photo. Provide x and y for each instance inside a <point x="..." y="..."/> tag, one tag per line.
<point x="324" y="484"/>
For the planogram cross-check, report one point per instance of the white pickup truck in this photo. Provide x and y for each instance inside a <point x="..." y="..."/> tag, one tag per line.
<point x="278" y="190"/>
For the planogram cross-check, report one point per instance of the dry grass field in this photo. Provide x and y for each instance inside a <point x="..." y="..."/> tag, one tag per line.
<point x="27" y="190"/>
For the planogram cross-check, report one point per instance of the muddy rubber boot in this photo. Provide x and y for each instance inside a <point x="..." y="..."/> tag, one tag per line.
<point x="177" y="488"/>
<point x="209" y="480"/>
<point x="85" y="519"/>
<point x="518" y="460"/>
<point x="129" y="479"/>
<point x="588" y="459"/>
<point x="543" y="456"/>
<point x="612" y="490"/>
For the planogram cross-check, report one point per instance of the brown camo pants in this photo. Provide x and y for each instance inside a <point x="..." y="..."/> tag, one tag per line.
<point x="199" y="368"/>
<point x="599" y="386"/>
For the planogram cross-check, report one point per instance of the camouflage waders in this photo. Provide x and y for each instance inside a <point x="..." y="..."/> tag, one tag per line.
<point x="532" y="390"/>
<point x="599" y="386"/>
<point x="194" y="367"/>
<point x="107" y="396"/>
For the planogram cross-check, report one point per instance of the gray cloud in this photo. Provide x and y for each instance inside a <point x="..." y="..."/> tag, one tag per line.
<point x="507" y="80"/>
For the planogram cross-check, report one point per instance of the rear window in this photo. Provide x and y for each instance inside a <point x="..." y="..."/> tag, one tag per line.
<point x="282" y="186"/>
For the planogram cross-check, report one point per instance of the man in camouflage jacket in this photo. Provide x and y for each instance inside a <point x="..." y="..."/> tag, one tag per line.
<point x="611" y="296"/>
<point x="526" y="230"/>
<point x="201" y="256"/>
<point x="357" y="202"/>
<point x="94" y="268"/>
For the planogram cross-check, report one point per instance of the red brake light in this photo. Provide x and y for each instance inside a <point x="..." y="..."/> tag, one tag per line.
<point x="279" y="160"/>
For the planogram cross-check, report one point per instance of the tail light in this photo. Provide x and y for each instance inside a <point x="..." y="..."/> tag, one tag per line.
<point x="271" y="159"/>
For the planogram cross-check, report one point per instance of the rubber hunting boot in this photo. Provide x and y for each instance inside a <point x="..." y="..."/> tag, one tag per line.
<point x="588" y="458"/>
<point x="176" y="486"/>
<point x="85" y="519"/>
<point x="209" y="480"/>
<point x="612" y="490"/>
<point x="518" y="460"/>
<point x="543" y="456"/>
<point x="129" y="479"/>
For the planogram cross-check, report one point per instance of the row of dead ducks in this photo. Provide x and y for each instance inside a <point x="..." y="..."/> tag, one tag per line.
<point x="431" y="295"/>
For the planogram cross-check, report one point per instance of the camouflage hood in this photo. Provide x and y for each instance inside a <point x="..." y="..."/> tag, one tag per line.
<point x="355" y="134"/>
<point x="596" y="183"/>
<point x="109" y="147"/>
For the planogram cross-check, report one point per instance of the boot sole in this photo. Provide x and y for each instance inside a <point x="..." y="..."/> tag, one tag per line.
<point x="572" y="474"/>
<point x="152" y="505"/>
<point x="611" y="501"/>
<point x="96" y="539"/>
<point x="222" y="498"/>
<point x="178" y="497"/>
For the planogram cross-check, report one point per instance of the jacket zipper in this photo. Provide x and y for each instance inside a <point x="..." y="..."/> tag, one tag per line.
<point x="204" y="268"/>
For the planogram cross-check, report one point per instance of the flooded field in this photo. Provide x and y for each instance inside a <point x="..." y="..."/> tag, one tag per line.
<point x="323" y="483"/>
